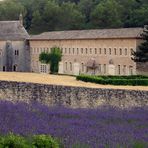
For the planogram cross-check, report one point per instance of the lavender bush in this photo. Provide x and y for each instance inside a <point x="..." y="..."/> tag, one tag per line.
<point x="93" y="128"/>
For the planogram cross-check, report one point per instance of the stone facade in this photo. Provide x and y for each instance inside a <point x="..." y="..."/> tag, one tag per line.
<point x="109" y="54"/>
<point x="75" y="97"/>
<point x="14" y="48"/>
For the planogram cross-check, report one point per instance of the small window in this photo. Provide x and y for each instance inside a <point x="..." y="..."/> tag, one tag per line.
<point x="90" y="51"/>
<point x="110" y="51"/>
<point x="99" y="68"/>
<point x="132" y="51"/>
<point x="120" y="51"/>
<point x="65" y="50"/>
<point x="124" y="69"/>
<point x="82" y="67"/>
<point x="95" y="50"/>
<point x="100" y="50"/>
<point x="104" y="68"/>
<point x="131" y="70"/>
<point x="69" y="51"/>
<point x="70" y="66"/>
<point x="104" y="50"/>
<point x="66" y="66"/>
<point x="115" y="51"/>
<point x="86" y="51"/>
<point x="125" y="51"/>
<point x="16" y="52"/>
<point x="119" y="70"/>
<point x="77" y="50"/>
<point x="43" y="68"/>
<point x="73" y="51"/>
<point x="81" y="50"/>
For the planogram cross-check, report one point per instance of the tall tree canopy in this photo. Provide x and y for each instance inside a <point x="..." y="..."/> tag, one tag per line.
<point x="47" y="15"/>
<point x="141" y="55"/>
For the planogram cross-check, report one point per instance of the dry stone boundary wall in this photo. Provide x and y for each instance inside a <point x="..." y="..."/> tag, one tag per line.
<point x="75" y="97"/>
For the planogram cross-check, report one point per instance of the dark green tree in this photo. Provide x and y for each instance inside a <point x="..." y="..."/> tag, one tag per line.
<point x="53" y="58"/>
<point x="107" y="14"/>
<point x="141" y="55"/>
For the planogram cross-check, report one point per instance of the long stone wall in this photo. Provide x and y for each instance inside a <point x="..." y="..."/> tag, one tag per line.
<point x="76" y="97"/>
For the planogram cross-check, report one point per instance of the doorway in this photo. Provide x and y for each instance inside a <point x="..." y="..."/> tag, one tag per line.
<point x="15" y="68"/>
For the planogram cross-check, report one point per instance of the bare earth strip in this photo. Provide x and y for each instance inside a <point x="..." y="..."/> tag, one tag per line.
<point x="59" y="80"/>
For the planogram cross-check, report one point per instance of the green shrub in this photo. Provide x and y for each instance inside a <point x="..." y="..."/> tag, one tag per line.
<point x="13" y="141"/>
<point x="43" y="141"/>
<point x="115" y="80"/>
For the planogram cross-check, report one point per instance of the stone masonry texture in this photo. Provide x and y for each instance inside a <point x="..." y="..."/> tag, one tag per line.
<point x="69" y="96"/>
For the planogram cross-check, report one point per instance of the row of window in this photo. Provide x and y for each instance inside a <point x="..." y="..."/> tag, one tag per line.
<point x="102" y="68"/>
<point x="16" y="52"/>
<point x="105" y="51"/>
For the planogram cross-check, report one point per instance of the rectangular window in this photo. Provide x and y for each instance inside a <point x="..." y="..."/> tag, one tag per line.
<point x="77" y="50"/>
<point x="90" y="51"/>
<point x="81" y="50"/>
<point x="99" y="68"/>
<point x="65" y="50"/>
<point x="125" y="51"/>
<point x="100" y="51"/>
<point x="124" y="69"/>
<point x="120" y="51"/>
<point x="119" y="70"/>
<point x="131" y="51"/>
<point x="73" y="51"/>
<point x="115" y="51"/>
<point x="110" y="51"/>
<point x="86" y="51"/>
<point x="104" y="50"/>
<point x="44" y="68"/>
<point x="131" y="70"/>
<point x="95" y="50"/>
<point x="16" y="52"/>
<point x="104" y="68"/>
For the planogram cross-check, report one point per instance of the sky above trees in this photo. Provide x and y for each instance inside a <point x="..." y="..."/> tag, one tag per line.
<point x="49" y="15"/>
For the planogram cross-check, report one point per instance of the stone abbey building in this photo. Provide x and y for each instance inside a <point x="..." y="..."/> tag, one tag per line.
<point x="100" y="52"/>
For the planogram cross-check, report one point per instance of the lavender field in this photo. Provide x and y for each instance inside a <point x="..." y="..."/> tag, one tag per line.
<point x="105" y="127"/>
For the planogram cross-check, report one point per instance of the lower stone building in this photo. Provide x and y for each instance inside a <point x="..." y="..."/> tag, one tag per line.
<point x="96" y="52"/>
<point x="14" y="48"/>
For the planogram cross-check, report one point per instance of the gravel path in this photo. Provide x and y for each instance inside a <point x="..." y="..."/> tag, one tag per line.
<point x="58" y="80"/>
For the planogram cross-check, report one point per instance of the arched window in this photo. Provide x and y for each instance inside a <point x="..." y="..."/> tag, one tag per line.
<point x="115" y="51"/>
<point x="125" y="51"/>
<point x="110" y="51"/>
<point x="70" y="66"/>
<point x="82" y="67"/>
<point x="95" y="50"/>
<point x="66" y="66"/>
<point x="120" y="51"/>
<point x="104" y="50"/>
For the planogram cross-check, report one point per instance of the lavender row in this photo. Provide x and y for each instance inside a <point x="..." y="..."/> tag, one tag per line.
<point x="104" y="126"/>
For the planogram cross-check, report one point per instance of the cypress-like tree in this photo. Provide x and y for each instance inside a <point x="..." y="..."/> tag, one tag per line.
<point x="141" y="55"/>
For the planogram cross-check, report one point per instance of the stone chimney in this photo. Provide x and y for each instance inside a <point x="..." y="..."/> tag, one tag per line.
<point x="21" y="19"/>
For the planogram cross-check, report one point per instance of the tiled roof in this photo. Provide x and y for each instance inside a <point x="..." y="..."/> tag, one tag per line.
<point x="12" y="30"/>
<point x="90" y="34"/>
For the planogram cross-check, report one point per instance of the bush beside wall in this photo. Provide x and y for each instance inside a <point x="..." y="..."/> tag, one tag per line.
<point x="115" y="80"/>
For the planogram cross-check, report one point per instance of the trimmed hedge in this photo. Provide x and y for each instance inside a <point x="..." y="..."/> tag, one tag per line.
<point x="37" y="141"/>
<point x="115" y="80"/>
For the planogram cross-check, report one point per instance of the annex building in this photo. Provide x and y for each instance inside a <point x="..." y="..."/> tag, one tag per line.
<point x="99" y="52"/>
